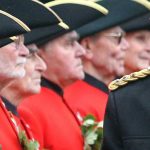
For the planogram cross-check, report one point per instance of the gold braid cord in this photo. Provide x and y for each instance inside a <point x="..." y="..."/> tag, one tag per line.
<point x="129" y="78"/>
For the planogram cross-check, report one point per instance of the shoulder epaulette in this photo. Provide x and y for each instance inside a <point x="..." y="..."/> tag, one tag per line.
<point x="129" y="78"/>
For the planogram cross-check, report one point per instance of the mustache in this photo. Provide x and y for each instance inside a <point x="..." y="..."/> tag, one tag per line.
<point x="22" y="60"/>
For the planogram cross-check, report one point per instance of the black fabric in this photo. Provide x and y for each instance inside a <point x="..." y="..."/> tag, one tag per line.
<point x="5" y="41"/>
<point x="139" y="23"/>
<point x="45" y="1"/>
<point x="9" y="27"/>
<point x="48" y="84"/>
<point x="43" y="35"/>
<point x="30" y="12"/>
<point x="10" y="106"/>
<point x="127" y="118"/>
<point x="74" y="15"/>
<point x="120" y="11"/>
<point x="96" y="83"/>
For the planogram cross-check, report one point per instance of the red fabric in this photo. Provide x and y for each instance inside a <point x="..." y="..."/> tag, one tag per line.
<point x="85" y="99"/>
<point x="51" y="121"/>
<point x="8" y="134"/>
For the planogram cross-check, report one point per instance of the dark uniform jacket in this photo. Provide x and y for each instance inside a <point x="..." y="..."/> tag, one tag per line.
<point x="88" y="96"/>
<point x="127" y="120"/>
<point x="52" y="121"/>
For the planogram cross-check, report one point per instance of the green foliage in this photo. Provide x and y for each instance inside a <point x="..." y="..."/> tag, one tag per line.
<point x="92" y="132"/>
<point x="26" y="143"/>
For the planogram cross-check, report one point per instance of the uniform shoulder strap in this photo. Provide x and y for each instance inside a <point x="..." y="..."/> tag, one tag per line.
<point x="129" y="78"/>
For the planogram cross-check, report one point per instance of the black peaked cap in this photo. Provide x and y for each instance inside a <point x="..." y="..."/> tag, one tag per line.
<point x="10" y="25"/>
<point x="139" y="23"/>
<point x="119" y="11"/>
<point x="5" y="41"/>
<point x="31" y="12"/>
<point x="74" y="13"/>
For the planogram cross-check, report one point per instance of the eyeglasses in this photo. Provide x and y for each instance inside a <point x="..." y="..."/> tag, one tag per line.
<point x="118" y="36"/>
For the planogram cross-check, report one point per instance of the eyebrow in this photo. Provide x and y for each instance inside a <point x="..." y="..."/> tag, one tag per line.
<point x="73" y="38"/>
<point x="32" y="50"/>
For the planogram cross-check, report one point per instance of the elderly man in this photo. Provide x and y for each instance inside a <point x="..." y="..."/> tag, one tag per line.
<point x="12" y="60"/>
<point x="105" y="45"/>
<point x="15" y="133"/>
<point x="62" y="54"/>
<point x="57" y="126"/>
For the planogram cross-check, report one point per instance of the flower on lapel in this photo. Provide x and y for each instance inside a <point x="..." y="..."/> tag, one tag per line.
<point x="26" y="143"/>
<point x="92" y="132"/>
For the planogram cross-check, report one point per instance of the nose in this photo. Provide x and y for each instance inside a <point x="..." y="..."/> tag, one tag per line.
<point x="23" y="50"/>
<point x="124" y="44"/>
<point x="40" y="64"/>
<point x="80" y="50"/>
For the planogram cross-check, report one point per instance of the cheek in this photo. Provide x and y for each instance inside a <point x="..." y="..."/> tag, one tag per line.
<point x="67" y="59"/>
<point x="135" y="47"/>
<point x="132" y="54"/>
<point x="8" y="58"/>
<point x="29" y="68"/>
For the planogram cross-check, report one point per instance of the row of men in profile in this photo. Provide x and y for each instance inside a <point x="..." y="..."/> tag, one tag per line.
<point x="78" y="50"/>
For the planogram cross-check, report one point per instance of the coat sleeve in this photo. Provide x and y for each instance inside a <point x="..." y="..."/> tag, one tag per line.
<point x="112" y="134"/>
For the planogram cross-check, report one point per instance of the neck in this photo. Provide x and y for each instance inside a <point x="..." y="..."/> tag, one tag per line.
<point x="14" y="96"/>
<point x="100" y="74"/>
<point x="4" y="83"/>
<point x="57" y="80"/>
<point x="128" y="71"/>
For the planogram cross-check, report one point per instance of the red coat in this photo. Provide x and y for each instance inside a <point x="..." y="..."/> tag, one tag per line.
<point x="53" y="124"/>
<point x="8" y="133"/>
<point x="85" y="98"/>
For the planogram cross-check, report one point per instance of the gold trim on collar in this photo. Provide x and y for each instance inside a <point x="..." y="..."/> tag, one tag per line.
<point x="18" y="21"/>
<point x="129" y="78"/>
<point x="145" y="3"/>
<point x="61" y="22"/>
<point x="91" y="4"/>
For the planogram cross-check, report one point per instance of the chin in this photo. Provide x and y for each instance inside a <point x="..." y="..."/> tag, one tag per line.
<point x="36" y="90"/>
<point x="120" y="72"/>
<point x="81" y="76"/>
<point x="142" y="66"/>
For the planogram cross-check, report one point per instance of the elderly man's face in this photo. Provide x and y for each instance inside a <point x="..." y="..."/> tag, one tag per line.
<point x="63" y="57"/>
<point x="30" y="83"/>
<point x="108" y="48"/>
<point x="138" y="54"/>
<point x="12" y="59"/>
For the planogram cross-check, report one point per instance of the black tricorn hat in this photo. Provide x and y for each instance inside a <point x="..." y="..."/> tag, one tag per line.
<point x="5" y="41"/>
<point x="32" y="12"/>
<point x="120" y="11"/>
<point x="10" y="25"/>
<point x="138" y="23"/>
<point x="74" y="13"/>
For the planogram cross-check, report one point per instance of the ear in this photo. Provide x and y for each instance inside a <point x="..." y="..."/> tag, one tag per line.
<point x="86" y="43"/>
